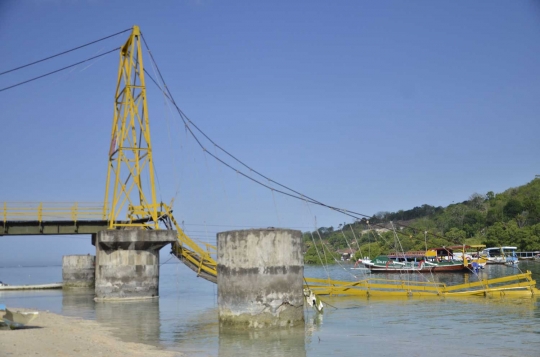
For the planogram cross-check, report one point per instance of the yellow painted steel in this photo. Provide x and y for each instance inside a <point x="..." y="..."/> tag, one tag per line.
<point x="130" y="155"/>
<point x="130" y="152"/>
<point x="193" y="253"/>
<point x="515" y="285"/>
<point x="51" y="211"/>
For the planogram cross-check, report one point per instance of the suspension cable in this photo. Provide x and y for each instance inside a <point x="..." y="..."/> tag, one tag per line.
<point x="63" y="53"/>
<point x="188" y="123"/>
<point x="300" y="196"/>
<point x="58" y="70"/>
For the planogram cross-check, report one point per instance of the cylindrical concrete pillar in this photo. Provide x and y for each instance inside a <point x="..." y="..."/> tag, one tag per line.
<point x="78" y="271"/>
<point x="260" y="278"/>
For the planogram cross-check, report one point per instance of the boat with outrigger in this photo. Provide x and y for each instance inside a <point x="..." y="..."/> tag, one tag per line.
<point x="435" y="260"/>
<point x="405" y="262"/>
<point x="472" y="253"/>
<point x="501" y="255"/>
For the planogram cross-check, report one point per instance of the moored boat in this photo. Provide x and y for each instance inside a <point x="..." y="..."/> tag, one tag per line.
<point x="434" y="260"/>
<point x="443" y="260"/>
<point x="471" y="253"/>
<point x="406" y="262"/>
<point x="500" y="255"/>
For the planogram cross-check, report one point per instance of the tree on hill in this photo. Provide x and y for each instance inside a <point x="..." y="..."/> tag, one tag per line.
<point x="508" y="218"/>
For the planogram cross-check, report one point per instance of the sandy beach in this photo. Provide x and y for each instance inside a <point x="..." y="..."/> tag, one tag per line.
<point x="55" y="335"/>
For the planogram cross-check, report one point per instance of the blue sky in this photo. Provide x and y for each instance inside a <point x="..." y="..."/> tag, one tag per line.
<point x="366" y="105"/>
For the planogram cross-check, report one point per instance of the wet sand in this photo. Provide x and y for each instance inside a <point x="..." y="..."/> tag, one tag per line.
<point x="55" y="335"/>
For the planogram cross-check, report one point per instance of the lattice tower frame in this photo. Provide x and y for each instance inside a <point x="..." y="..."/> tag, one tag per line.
<point x="130" y="153"/>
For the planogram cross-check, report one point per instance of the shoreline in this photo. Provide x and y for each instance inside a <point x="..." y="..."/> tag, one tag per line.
<point x="56" y="335"/>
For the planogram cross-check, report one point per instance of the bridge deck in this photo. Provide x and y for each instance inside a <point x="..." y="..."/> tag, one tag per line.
<point x="51" y="218"/>
<point x="51" y="227"/>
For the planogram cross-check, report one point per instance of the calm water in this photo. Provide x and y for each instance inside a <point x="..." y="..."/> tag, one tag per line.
<point x="185" y="319"/>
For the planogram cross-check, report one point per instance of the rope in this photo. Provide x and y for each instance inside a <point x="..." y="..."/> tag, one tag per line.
<point x="356" y="240"/>
<point x="324" y="302"/>
<point x="319" y="255"/>
<point x="172" y="256"/>
<point x="338" y="262"/>
<point x="346" y="240"/>
<point x="320" y="239"/>
<point x="315" y="244"/>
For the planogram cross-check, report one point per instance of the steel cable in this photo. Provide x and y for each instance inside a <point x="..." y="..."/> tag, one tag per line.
<point x="63" y="53"/>
<point x="58" y="70"/>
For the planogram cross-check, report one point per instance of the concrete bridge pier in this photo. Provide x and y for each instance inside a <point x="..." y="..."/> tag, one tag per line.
<point x="260" y="278"/>
<point x="127" y="263"/>
<point x="78" y="271"/>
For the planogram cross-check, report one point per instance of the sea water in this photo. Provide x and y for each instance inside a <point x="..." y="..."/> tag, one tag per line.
<point x="184" y="318"/>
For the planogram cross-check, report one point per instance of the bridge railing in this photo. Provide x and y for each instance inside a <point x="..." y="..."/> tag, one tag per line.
<point x="51" y="211"/>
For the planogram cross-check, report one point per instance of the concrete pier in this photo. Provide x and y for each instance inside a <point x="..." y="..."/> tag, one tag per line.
<point x="127" y="263"/>
<point x="78" y="271"/>
<point x="260" y="278"/>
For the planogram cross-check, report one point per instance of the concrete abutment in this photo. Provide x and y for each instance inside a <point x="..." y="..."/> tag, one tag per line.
<point x="127" y="263"/>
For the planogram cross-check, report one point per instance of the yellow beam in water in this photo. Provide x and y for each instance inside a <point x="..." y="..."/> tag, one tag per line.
<point x="515" y="285"/>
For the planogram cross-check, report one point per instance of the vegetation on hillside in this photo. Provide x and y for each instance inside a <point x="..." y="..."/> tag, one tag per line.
<point x="510" y="218"/>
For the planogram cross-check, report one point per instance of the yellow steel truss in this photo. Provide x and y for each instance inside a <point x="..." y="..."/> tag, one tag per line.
<point x="513" y="285"/>
<point x="130" y="152"/>
<point x="130" y="155"/>
<point x="194" y="256"/>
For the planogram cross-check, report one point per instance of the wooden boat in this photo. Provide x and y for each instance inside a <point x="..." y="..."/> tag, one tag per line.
<point x="31" y="287"/>
<point x="18" y="319"/>
<point x="472" y="254"/>
<point x="434" y="260"/>
<point x="500" y="255"/>
<point x="392" y="263"/>
<point x="443" y="260"/>
<point x="448" y="266"/>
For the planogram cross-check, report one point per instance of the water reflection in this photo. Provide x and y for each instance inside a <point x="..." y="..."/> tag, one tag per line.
<point x="136" y="321"/>
<point x="268" y="343"/>
<point x="132" y="321"/>
<point x="79" y="302"/>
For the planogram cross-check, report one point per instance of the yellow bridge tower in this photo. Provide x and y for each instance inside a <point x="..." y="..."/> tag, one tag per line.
<point x="130" y="152"/>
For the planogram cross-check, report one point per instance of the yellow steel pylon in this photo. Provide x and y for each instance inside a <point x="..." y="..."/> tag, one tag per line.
<point x="130" y="153"/>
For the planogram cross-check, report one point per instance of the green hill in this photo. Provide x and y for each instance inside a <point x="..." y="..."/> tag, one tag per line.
<point x="508" y="218"/>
